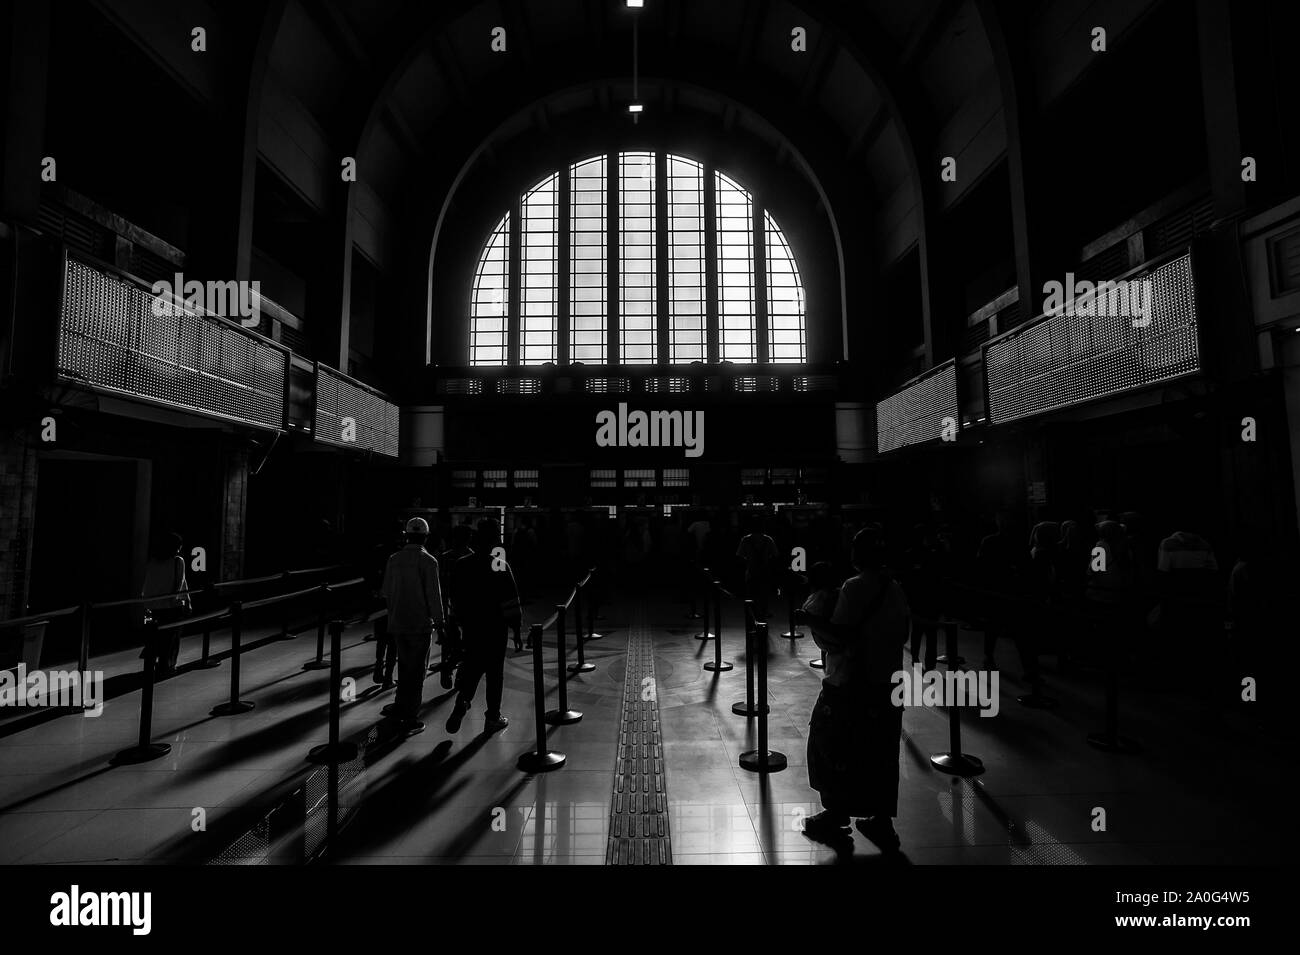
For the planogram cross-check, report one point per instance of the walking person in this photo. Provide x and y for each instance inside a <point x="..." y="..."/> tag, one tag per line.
<point x="164" y="579"/>
<point x="486" y="604"/>
<point x="855" y="728"/>
<point x="452" y="638"/>
<point x="414" y="597"/>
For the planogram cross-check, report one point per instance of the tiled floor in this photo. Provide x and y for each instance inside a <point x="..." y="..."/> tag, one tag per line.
<point x="435" y="798"/>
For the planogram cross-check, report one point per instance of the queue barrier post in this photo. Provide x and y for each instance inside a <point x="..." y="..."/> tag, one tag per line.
<point x="708" y="594"/>
<point x="322" y="617"/>
<point x="540" y="760"/>
<point x="716" y="665"/>
<point x="83" y="656"/>
<point x="562" y="715"/>
<point x="794" y="633"/>
<point x="955" y="762"/>
<point x="334" y="752"/>
<point x="747" y="707"/>
<point x="762" y="759"/>
<point x="591" y="610"/>
<point x="145" y="749"/>
<point x="582" y="666"/>
<point x="234" y="706"/>
<point x="205" y="661"/>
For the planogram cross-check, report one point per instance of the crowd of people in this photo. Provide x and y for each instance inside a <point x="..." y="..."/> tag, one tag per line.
<point x="1092" y="593"/>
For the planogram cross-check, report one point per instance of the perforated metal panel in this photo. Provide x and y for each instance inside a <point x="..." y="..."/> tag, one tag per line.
<point x="1067" y="359"/>
<point x="916" y="413"/>
<point x="339" y="402"/>
<point x="110" y="339"/>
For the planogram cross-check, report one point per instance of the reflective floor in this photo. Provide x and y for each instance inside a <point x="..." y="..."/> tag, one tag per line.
<point x="1192" y="795"/>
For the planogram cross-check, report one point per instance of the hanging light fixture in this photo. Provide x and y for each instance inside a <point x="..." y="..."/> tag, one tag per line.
<point x="636" y="106"/>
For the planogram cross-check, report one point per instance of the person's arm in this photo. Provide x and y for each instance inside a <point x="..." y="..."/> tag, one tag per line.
<point x="432" y="590"/>
<point x="510" y="608"/>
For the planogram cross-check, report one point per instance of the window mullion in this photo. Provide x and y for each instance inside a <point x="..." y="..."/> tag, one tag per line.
<point x="612" y="218"/>
<point x="515" y="283"/>
<point x="563" y="214"/>
<point x="662" y="342"/>
<point x="760" y="283"/>
<point x="712" y="335"/>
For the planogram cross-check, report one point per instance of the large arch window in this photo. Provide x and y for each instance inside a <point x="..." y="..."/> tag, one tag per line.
<point x="637" y="258"/>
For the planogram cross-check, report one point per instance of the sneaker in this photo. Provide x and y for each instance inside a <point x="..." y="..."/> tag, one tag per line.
<point x="825" y="826"/>
<point x="457" y="717"/>
<point x="411" y="727"/>
<point x="495" y="723"/>
<point x="880" y="830"/>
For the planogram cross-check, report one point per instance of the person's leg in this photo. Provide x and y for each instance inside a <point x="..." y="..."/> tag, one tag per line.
<point x="471" y="670"/>
<point x="495" y="662"/>
<point x="412" y="656"/>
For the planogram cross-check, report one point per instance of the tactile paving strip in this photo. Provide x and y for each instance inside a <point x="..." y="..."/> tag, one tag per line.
<point x="638" y="823"/>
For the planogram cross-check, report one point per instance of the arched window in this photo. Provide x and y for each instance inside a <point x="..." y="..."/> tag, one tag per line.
<point x="637" y="258"/>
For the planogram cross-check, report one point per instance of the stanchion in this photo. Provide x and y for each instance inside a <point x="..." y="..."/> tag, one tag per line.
<point x="145" y="750"/>
<point x="762" y="760"/>
<point x="322" y="613"/>
<point x="541" y="759"/>
<point x="819" y="663"/>
<point x="591" y="610"/>
<point x="1109" y="740"/>
<point x="206" y="662"/>
<point x="716" y="665"/>
<point x="83" y="657"/>
<point x="234" y="705"/>
<point x="334" y="751"/>
<point x="284" y="613"/>
<point x="708" y="593"/>
<point x="747" y="706"/>
<point x="562" y="715"/>
<point x="793" y="633"/>
<point x="955" y="762"/>
<point x="582" y="666"/>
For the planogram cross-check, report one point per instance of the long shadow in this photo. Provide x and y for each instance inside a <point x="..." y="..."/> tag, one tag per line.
<point x="406" y="795"/>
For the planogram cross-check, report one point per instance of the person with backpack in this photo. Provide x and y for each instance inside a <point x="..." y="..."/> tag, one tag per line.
<point x="486" y="604"/>
<point x="855" y="728"/>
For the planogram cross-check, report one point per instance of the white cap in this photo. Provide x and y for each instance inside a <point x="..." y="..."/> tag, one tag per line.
<point x="417" y="525"/>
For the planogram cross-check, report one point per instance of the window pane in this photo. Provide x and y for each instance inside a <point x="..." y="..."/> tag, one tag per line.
<point x="588" y="276"/>
<point x="686" y="260"/>
<point x="490" y="299"/>
<point x="539" y="254"/>
<point x="737" y="314"/>
<point x="636" y="258"/>
<point x="785" y="298"/>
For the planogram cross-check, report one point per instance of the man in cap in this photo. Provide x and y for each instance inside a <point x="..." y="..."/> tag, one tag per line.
<point x="414" y="608"/>
<point x="486" y="603"/>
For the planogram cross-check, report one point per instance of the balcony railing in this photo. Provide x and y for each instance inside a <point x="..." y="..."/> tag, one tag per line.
<point x="1065" y="358"/>
<point x="919" y="411"/>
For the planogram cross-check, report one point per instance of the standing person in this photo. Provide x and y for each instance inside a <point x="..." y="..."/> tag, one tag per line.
<point x="922" y="581"/>
<point x="414" y="609"/>
<point x="164" y="579"/>
<point x="758" y="553"/>
<point x="486" y="603"/>
<point x="999" y="573"/>
<point x="855" y="728"/>
<point x="452" y="638"/>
